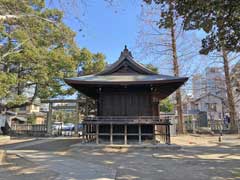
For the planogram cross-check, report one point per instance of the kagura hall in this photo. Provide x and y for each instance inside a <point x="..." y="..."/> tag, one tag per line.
<point x="127" y="97"/>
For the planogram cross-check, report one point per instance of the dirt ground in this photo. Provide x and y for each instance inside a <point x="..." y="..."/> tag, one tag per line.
<point x="201" y="157"/>
<point x="14" y="141"/>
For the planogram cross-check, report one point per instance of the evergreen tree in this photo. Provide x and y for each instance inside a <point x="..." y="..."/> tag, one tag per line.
<point x="37" y="51"/>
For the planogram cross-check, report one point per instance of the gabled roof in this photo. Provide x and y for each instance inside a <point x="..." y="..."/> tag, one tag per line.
<point x="125" y="79"/>
<point x="19" y="118"/>
<point x="126" y="72"/>
<point x="128" y="65"/>
<point x="207" y="95"/>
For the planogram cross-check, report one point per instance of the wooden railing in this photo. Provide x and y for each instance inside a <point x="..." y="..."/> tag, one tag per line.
<point x="91" y="131"/>
<point x="127" y="119"/>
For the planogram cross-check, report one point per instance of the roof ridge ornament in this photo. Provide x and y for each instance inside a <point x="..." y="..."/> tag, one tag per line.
<point x="126" y="59"/>
<point x="126" y="53"/>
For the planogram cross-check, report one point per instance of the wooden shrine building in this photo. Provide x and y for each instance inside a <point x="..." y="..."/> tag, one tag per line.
<point x="127" y="97"/>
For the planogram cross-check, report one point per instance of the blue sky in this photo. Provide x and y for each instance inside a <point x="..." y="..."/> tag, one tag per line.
<point x="104" y="28"/>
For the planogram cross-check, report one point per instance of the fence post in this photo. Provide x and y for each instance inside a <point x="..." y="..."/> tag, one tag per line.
<point x="49" y="119"/>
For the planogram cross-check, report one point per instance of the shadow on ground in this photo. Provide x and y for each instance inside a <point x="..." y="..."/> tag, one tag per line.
<point x="59" y="161"/>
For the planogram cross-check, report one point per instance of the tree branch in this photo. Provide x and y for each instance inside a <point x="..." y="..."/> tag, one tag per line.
<point x="14" y="50"/>
<point x="8" y="16"/>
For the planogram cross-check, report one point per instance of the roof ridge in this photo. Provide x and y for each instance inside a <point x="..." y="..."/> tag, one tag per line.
<point x="126" y="55"/>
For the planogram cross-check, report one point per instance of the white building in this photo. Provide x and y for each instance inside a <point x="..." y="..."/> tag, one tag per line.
<point x="212" y="104"/>
<point x="209" y="93"/>
<point x="211" y="82"/>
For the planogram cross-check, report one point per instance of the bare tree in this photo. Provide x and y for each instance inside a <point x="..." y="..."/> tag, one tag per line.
<point x="231" y="104"/>
<point x="227" y="60"/>
<point x="169" y="46"/>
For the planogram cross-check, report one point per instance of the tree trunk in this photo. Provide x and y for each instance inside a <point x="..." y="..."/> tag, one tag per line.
<point x="230" y="99"/>
<point x="180" y="127"/>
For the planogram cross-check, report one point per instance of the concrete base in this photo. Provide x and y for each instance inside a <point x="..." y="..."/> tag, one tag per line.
<point x="2" y="156"/>
<point x="135" y="146"/>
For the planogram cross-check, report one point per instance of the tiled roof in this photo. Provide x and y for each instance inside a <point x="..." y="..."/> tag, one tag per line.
<point x="124" y="78"/>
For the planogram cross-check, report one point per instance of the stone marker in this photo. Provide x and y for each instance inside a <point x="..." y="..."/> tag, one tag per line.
<point x="2" y="156"/>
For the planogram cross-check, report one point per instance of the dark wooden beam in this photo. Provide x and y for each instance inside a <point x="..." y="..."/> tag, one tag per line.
<point x="63" y="100"/>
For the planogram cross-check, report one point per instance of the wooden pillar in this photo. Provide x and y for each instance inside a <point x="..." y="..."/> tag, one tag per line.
<point x="168" y="135"/>
<point x="49" y="119"/>
<point x="111" y="134"/>
<point x="87" y="131"/>
<point x="83" y="134"/>
<point x="97" y="134"/>
<point x="86" y="107"/>
<point x="125" y="134"/>
<point x="91" y="131"/>
<point x="139" y="134"/>
<point x="77" y="118"/>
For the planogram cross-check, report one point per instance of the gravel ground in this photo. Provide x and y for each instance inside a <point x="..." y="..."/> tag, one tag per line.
<point x="201" y="158"/>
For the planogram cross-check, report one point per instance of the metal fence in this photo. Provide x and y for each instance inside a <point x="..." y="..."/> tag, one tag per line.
<point x="28" y="130"/>
<point x="38" y="130"/>
<point x="213" y="125"/>
<point x="192" y="124"/>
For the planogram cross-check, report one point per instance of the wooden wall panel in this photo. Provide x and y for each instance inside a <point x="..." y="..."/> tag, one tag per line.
<point x="125" y="104"/>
